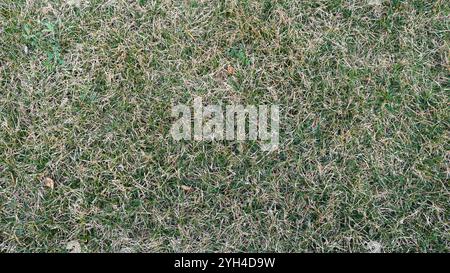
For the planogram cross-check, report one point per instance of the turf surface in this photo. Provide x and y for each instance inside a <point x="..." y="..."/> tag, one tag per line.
<point x="87" y="162"/>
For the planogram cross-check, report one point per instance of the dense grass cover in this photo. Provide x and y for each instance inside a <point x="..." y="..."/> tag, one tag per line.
<point x="87" y="162"/>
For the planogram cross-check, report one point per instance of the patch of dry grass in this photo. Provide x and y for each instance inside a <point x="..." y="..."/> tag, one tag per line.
<point x="86" y="89"/>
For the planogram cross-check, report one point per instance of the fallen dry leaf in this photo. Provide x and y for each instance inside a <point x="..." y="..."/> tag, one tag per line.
<point x="126" y="250"/>
<point x="230" y="70"/>
<point x="73" y="247"/>
<point x="187" y="188"/>
<point x="47" y="9"/>
<point x="49" y="183"/>
<point x="374" y="247"/>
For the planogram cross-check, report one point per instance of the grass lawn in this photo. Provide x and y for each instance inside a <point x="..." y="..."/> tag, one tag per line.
<point x="87" y="162"/>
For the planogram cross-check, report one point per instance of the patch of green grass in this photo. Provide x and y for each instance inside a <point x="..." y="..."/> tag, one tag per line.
<point x="85" y="99"/>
